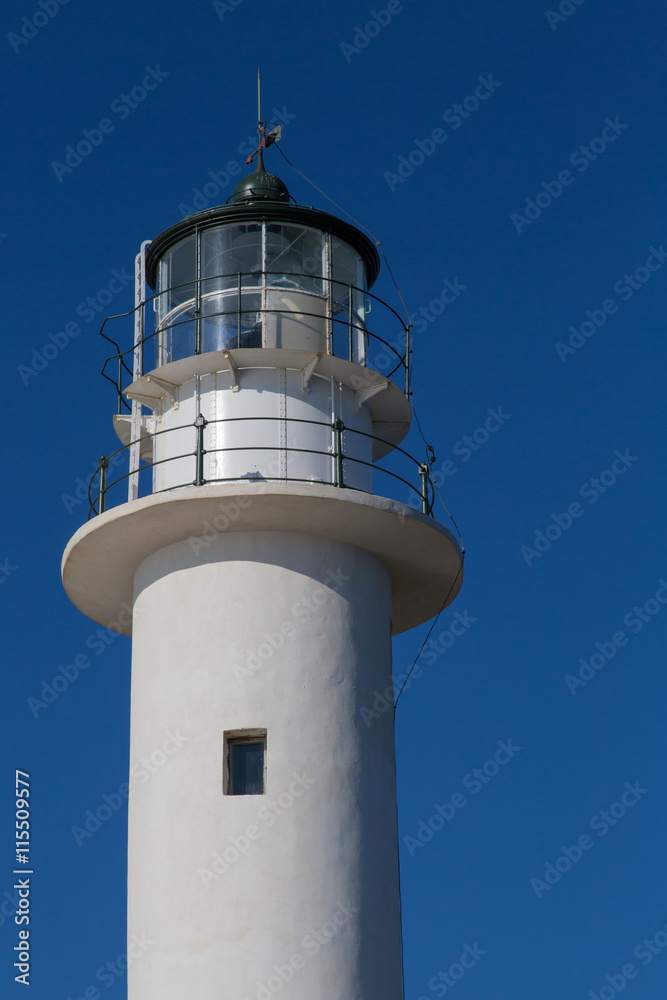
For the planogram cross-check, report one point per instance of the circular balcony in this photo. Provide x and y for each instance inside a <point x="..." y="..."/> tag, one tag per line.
<point x="302" y="451"/>
<point x="260" y="310"/>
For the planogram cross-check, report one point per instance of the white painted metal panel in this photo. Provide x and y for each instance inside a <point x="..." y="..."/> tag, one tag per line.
<point x="295" y="320"/>
<point x="268" y="428"/>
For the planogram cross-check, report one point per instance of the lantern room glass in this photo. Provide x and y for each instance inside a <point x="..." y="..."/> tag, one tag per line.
<point x="260" y="285"/>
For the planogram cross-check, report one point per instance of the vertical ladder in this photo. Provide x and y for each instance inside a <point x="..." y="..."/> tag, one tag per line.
<point x="137" y="368"/>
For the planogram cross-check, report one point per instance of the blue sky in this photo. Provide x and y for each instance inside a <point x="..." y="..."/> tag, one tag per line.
<point x="541" y="201"/>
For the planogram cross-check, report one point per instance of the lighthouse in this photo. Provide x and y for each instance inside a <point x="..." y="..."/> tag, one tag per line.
<point x="245" y="534"/>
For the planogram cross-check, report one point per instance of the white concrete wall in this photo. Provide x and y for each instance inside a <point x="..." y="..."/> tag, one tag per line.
<point x="241" y="922"/>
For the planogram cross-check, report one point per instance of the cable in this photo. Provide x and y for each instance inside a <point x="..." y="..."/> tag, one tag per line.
<point x="430" y="455"/>
<point x="312" y="183"/>
<point x="451" y="518"/>
<point x="414" y="410"/>
<point x="376" y="241"/>
<point x="398" y="291"/>
<point x="435" y="622"/>
<point x="430" y="451"/>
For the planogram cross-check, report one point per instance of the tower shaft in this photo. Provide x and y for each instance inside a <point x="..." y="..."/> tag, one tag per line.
<point x="288" y="635"/>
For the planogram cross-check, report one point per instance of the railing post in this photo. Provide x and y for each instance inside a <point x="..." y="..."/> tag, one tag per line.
<point x="238" y="312"/>
<point x="200" y="424"/>
<point x="142" y="344"/>
<point x="329" y="281"/>
<point x="140" y="312"/>
<point x="119" y="384"/>
<point x="137" y="369"/>
<point x="103" y="465"/>
<point x="349" y="332"/>
<point x="330" y="321"/>
<point x="338" y="428"/>
<point x="423" y="472"/>
<point x="198" y="294"/>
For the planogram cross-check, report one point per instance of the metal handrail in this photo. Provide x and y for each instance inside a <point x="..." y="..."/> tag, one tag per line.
<point x="352" y="321"/>
<point x="98" y="503"/>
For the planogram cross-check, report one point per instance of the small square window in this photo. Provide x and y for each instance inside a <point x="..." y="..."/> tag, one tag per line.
<point x="245" y="762"/>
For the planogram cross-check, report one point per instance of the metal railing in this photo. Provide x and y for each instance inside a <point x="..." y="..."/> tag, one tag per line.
<point x="98" y="500"/>
<point x="339" y="316"/>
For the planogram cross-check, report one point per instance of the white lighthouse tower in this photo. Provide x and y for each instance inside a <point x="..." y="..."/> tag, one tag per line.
<point x="261" y="576"/>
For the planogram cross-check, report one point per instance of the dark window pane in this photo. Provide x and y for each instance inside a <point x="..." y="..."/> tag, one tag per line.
<point x="247" y="768"/>
<point x="224" y="327"/>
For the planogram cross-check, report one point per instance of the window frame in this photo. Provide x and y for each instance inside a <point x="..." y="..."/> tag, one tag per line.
<point x="232" y="738"/>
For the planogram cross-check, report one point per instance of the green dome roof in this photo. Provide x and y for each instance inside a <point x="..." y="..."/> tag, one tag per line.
<point x="259" y="186"/>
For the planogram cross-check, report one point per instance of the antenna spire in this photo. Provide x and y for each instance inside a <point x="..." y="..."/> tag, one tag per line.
<point x="263" y="138"/>
<point x="261" y="130"/>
